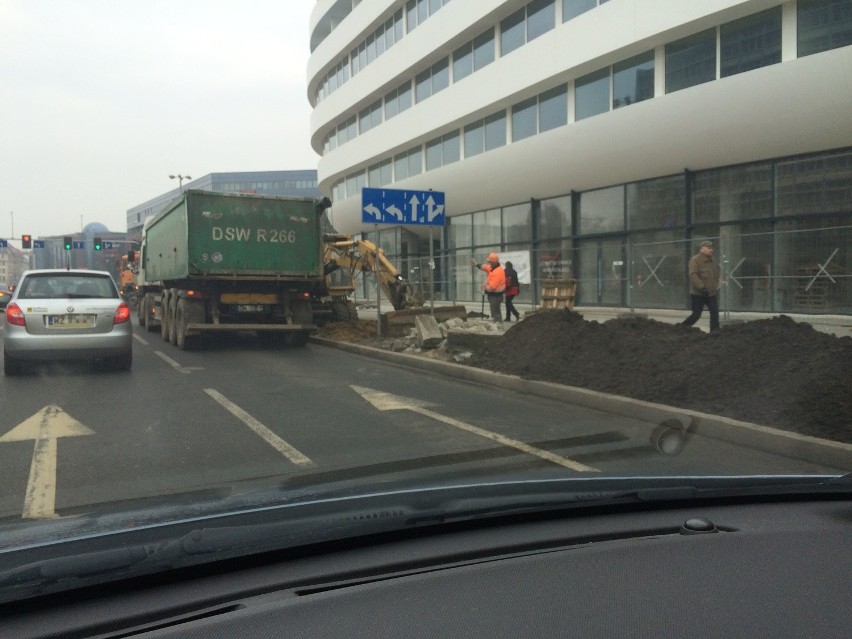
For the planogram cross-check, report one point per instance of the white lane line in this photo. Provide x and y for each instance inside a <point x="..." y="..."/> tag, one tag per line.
<point x="139" y="339"/>
<point x="267" y="435"/>
<point x="176" y="365"/>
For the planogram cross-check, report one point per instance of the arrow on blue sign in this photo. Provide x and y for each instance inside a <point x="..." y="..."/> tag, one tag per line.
<point x="79" y="245"/>
<point x="38" y="244"/>
<point x="4" y="244"/>
<point x="402" y="206"/>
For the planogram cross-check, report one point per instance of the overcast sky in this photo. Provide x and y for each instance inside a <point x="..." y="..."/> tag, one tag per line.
<point x="101" y="100"/>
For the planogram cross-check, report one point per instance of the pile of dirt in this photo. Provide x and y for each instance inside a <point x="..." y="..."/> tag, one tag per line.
<point x="775" y="372"/>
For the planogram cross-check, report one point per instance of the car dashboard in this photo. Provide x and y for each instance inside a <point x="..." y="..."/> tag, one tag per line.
<point x="767" y="568"/>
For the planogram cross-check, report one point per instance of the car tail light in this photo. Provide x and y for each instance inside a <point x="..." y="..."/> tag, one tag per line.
<point x="122" y="314"/>
<point x="14" y="315"/>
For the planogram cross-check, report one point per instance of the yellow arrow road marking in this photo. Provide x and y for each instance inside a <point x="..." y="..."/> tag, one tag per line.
<point x="387" y="401"/>
<point x="45" y="427"/>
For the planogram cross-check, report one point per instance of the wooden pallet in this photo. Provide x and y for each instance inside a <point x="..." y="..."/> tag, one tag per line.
<point x="558" y="293"/>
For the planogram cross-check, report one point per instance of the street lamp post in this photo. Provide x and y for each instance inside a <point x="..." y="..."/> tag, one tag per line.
<point x="180" y="179"/>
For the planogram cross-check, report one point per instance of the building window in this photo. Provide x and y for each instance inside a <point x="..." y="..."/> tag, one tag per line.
<point x="517" y="220"/>
<point x="602" y="211"/>
<point x="591" y="94"/>
<point x="573" y="8"/>
<point x="473" y="56"/>
<point x="553" y="108"/>
<point x="656" y="203"/>
<point x="434" y="79"/>
<point x="483" y="50"/>
<point x="633" y="80"/>
<point x="370" y="117"/>
<point x="463" y="61"/>
<point x="733" y="193"/>
<point x="495" y="131"/>
<point x="524" y="119"/>
<point x="814" y="185"/>
<point x="407" y="164"/>
<point x="554" y="218"/>
<point x="380" y="174"/>
<point x="512" y="32"/>
<point x="541" y="18"/>
<point x="691" y="61"/>
<point x="474" y="139"/>
<point x="443" y="150"/>
<point x="487" y="228"/>
<point x="823" y="25"/>
<point x="398" y="101"/>
<point x="751" y="43"/>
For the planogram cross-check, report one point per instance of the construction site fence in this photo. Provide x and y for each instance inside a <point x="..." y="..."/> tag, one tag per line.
<point x="796" y="271"/>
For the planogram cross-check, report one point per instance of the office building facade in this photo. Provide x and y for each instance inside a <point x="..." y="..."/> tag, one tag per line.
<point x="602" y="138"/>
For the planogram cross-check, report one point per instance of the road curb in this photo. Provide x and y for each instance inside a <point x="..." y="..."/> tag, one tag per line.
<point x="814" y="450"/>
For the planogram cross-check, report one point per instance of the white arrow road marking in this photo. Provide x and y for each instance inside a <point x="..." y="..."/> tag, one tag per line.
<point x="176" y="365"/>
<point x="387" y="401"/>
<point x="45" y="427"/>
<point x="267" y="435"/>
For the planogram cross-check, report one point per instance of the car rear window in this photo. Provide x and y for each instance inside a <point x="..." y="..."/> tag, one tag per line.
<point x="61" y="285"/>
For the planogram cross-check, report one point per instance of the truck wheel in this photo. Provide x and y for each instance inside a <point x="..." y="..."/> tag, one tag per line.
<point x="343" y="311"/>
<point x="184" y="312"/>
<point x="164" y="316"/>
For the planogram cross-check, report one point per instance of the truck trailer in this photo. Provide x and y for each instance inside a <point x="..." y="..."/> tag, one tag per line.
<point x="214" y="262"/>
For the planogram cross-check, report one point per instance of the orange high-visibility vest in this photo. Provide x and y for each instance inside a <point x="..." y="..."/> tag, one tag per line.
<point x="496" y="282"/>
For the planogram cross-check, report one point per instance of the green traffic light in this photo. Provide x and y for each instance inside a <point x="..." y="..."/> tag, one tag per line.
<point x="98" y="244"/>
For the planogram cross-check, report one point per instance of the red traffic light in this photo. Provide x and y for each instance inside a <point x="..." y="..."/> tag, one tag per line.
<point x="27" y="241"/>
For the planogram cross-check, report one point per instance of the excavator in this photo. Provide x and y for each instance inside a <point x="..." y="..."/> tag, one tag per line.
<point x="343" y="258"/>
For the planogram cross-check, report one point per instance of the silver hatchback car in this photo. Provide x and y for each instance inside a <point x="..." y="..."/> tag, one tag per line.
<point x="57" y="315"/>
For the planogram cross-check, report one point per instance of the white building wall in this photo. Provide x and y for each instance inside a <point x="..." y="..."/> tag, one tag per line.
<point x="797" y="106"/>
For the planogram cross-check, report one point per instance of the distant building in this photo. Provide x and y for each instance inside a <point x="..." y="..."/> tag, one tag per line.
<point x="288" y="183"/>
<point x="13" y="262"/>
<point x="83" y="253"/>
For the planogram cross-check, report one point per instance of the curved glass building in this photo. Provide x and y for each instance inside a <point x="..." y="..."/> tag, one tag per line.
<point x="599" y="140"/>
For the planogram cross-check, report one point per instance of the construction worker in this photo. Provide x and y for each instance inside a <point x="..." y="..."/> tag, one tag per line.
<point x="495" y="285"/>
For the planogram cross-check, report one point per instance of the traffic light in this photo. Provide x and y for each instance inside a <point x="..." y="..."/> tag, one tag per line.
<point x="27" y="241"/>
<point x="98" y="244"/>
<point x="67" y="242"/>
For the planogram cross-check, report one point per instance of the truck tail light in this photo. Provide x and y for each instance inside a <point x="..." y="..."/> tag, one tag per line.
<point x="122" y="314"/>
<point x="14" y="315"/>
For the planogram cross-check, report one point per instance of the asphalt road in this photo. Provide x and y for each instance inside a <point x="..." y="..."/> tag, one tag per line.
<point x="73" y="437"/>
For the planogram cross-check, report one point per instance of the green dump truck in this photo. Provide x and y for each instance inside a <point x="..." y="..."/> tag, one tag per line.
<point x="214" y="262"/>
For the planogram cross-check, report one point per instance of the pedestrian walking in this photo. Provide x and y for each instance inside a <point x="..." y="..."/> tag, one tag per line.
<point x="513" y="289"/>
<point x="495" y="284"/>
<point x="704" y="279"/>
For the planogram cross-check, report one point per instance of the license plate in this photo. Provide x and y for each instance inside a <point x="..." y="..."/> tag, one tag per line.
<point x="250" y="308"/>
<point x="71" y="321"/>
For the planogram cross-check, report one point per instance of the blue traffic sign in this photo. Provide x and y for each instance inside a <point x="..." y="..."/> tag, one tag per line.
<point x="79" y="245"/>
<point x="38" y="244"/>
<point x="108" y="245"/>
<point x="4" y="243"/>
<point x="402" y="206"/>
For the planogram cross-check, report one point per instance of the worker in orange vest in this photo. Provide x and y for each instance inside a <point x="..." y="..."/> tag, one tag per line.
<point x="495" y="284"/>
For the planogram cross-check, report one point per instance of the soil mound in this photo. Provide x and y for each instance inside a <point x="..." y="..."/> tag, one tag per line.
<point x="775" y="372"/>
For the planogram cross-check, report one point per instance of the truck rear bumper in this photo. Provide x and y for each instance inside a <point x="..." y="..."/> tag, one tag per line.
<point x="195" y="329"/>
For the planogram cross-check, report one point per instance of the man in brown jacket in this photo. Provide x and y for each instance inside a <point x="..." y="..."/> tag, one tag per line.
<point x="704" y="277"/>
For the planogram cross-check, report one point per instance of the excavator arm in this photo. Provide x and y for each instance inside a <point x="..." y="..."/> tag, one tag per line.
<point x="343" y="251"/>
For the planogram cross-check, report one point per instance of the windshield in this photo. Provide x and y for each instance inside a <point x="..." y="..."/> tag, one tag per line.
<point x="403" y="261"/>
